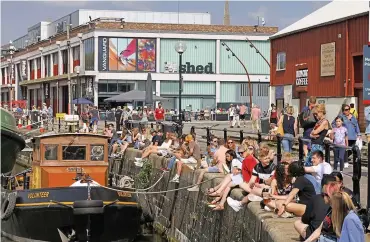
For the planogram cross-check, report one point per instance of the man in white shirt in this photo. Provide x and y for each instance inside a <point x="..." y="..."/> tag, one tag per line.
<point x="319" y="167"/>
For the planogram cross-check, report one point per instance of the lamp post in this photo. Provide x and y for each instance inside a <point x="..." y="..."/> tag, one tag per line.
<point x="257" y="51"/>
<point x="11" y="72"/>
<point x="246" y="71"/>
<point x="180" y="48"/>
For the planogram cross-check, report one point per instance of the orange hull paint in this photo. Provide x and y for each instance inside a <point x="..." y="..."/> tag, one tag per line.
<point x="61" y="177"/>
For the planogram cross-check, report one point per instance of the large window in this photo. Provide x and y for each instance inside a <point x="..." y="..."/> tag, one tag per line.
<point x="115" y="86"/>
<point x="281" y="61"/>
<point x="51" y="152"/>
<point x="89" y="54"/>
<point x="47" y="65"/>
<point x="76" y="53"/>
<point x="55" y="58"/>
<point x="65" y="61"/>
<point x="74" y="152"/>
<point x="263" y="90"/>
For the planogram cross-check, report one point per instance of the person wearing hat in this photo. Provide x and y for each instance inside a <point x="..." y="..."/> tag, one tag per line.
<point x="144" y="115"/>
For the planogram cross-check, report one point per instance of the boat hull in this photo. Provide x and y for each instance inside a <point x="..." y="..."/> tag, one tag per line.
<point x="36" y="218"/>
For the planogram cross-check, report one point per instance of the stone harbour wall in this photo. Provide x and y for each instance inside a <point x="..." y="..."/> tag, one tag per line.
<point x="184" y="216"/>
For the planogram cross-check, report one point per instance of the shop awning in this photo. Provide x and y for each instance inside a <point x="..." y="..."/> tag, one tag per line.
<point x="132" y="96"/>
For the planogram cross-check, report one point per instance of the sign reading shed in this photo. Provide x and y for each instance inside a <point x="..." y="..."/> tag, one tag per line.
<point x="328" y="59"/>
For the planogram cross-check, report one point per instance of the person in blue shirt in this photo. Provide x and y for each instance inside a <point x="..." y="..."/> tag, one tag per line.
<point x="351" y="123"/>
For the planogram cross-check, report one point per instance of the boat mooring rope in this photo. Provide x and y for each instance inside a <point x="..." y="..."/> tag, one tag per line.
<point x="158" y="192"/>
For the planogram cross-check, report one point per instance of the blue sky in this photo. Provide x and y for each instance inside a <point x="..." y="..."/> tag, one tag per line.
<point x="14" y="23"/>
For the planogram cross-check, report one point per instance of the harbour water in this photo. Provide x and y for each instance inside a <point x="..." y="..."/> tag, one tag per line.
<point x="144" y="238"/>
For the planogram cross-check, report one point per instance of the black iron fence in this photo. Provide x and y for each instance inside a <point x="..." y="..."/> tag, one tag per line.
<point x="356" y="152"/>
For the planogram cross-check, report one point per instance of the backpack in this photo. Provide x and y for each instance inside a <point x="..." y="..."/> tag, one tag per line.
<point x="307" y="119"/>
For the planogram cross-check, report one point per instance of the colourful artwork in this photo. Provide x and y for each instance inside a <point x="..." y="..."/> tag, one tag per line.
<point x="146" y="55"/>
<point x="122" y="54"/>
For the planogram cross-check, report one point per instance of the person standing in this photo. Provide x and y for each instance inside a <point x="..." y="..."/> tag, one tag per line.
<point x="340" y="137"/>
<point x="308" y="121"/>
<point x="236" y="119"/>
<point x="231" y="115"/>
<point x="290" y="128"/>
<point x="318" y="133"/>
<point x="94" y="113"/>
<point x="255" y="117"/>
<point x="159" y="113"/>
<point x="349" y="122"/>
<point x="273" y="114"/>
<point x="242" y="113"/>
<point x="118" y="117"/>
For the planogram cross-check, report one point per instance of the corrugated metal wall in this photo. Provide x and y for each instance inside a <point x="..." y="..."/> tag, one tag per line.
<point x="189" y="88"/>
<point x="198" y="52"/>
<point x="233" y="92"/>
<point x="253" y="61"/>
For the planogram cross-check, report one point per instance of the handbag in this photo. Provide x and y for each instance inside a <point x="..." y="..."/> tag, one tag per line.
<point x="280" y="129"/>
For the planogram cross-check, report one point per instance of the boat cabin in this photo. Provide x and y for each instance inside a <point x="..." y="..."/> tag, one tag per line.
<point x="57" y="158"/>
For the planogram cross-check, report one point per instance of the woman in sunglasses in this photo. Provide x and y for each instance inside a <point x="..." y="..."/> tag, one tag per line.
<point x="341" y="222"/>
<point x="318" y="133"/>
<point x="350" y="122"/>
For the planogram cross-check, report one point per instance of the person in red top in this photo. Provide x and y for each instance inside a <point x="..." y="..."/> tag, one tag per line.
<point x="159" y="113"/>
<point x="248" y="164"/>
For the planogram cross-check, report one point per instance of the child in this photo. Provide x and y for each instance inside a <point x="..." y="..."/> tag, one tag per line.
<point x="340" y="137"/>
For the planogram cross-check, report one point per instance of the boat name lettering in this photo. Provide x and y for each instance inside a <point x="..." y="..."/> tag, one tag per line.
<point x="38" y="195"/>
<point x="75" y="169"/>
<point x="124" y="194"/>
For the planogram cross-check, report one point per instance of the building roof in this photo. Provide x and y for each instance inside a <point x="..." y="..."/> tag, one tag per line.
<point x="335" y="11"/>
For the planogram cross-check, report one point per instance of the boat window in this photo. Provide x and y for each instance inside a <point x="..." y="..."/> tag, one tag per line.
<point x="97" y="153"/>
<point x="51" y="152"/>
<point x="74" y="152"/>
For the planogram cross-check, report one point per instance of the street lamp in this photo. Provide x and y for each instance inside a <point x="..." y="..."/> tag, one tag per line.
<point x="246" y="71"/>
<point x="180" y="48"/>
<point x="257" y="51"/>
<point x="11" y="51"/>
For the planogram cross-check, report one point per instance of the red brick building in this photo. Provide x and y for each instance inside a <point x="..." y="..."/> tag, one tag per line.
<point x="321" y="55"/>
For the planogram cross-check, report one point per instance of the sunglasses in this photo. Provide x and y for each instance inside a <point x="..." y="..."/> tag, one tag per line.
<point x="346" y="109"/>
<point x="241" y="152"/>
<point x="230" y="142"/>
<point x="214" y="141"/>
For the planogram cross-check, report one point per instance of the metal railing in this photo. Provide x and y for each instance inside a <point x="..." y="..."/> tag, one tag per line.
<point x="357" y="159"/>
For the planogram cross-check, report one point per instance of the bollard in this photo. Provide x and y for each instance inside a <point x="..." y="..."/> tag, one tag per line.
<point x="259" y="140"/>
<point x="208" y="136"/>
<point x="241" y="138"/>
<point x="327" y="152"/>
<point x="59" y="125"/>
<point x="225" y="135"/>
<point x="151" y="125"/>
<point x="356" y="171"/>
<point x="278" y="149"/>
<point x="192" y="130"/>
<point x="300" y="150"/>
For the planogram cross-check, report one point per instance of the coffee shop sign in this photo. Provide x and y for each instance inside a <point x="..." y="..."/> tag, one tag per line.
<point x="301" y="77"/>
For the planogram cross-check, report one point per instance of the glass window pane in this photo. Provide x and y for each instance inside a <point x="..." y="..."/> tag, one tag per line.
<point x="74" y="152"/>
<point x="97" y="153"/>
<point x="112" y="87"/>
<point x="51" y="152"/>
<point x="102" y="87"/>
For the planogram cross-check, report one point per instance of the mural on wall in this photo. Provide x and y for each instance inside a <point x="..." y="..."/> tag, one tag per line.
<point x="146" y="55"/>
<point x="128" y="54"/>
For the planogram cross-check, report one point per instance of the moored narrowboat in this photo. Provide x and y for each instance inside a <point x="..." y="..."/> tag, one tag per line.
<point x="66" y="196"/>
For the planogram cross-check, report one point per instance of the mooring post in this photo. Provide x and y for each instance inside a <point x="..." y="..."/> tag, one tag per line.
<point x="278" y="149"/>
<point x="356" y="171"/>
<point x="300" y="150"/>
<point x="241" y="137"/>
<point x="225" y="134"/>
